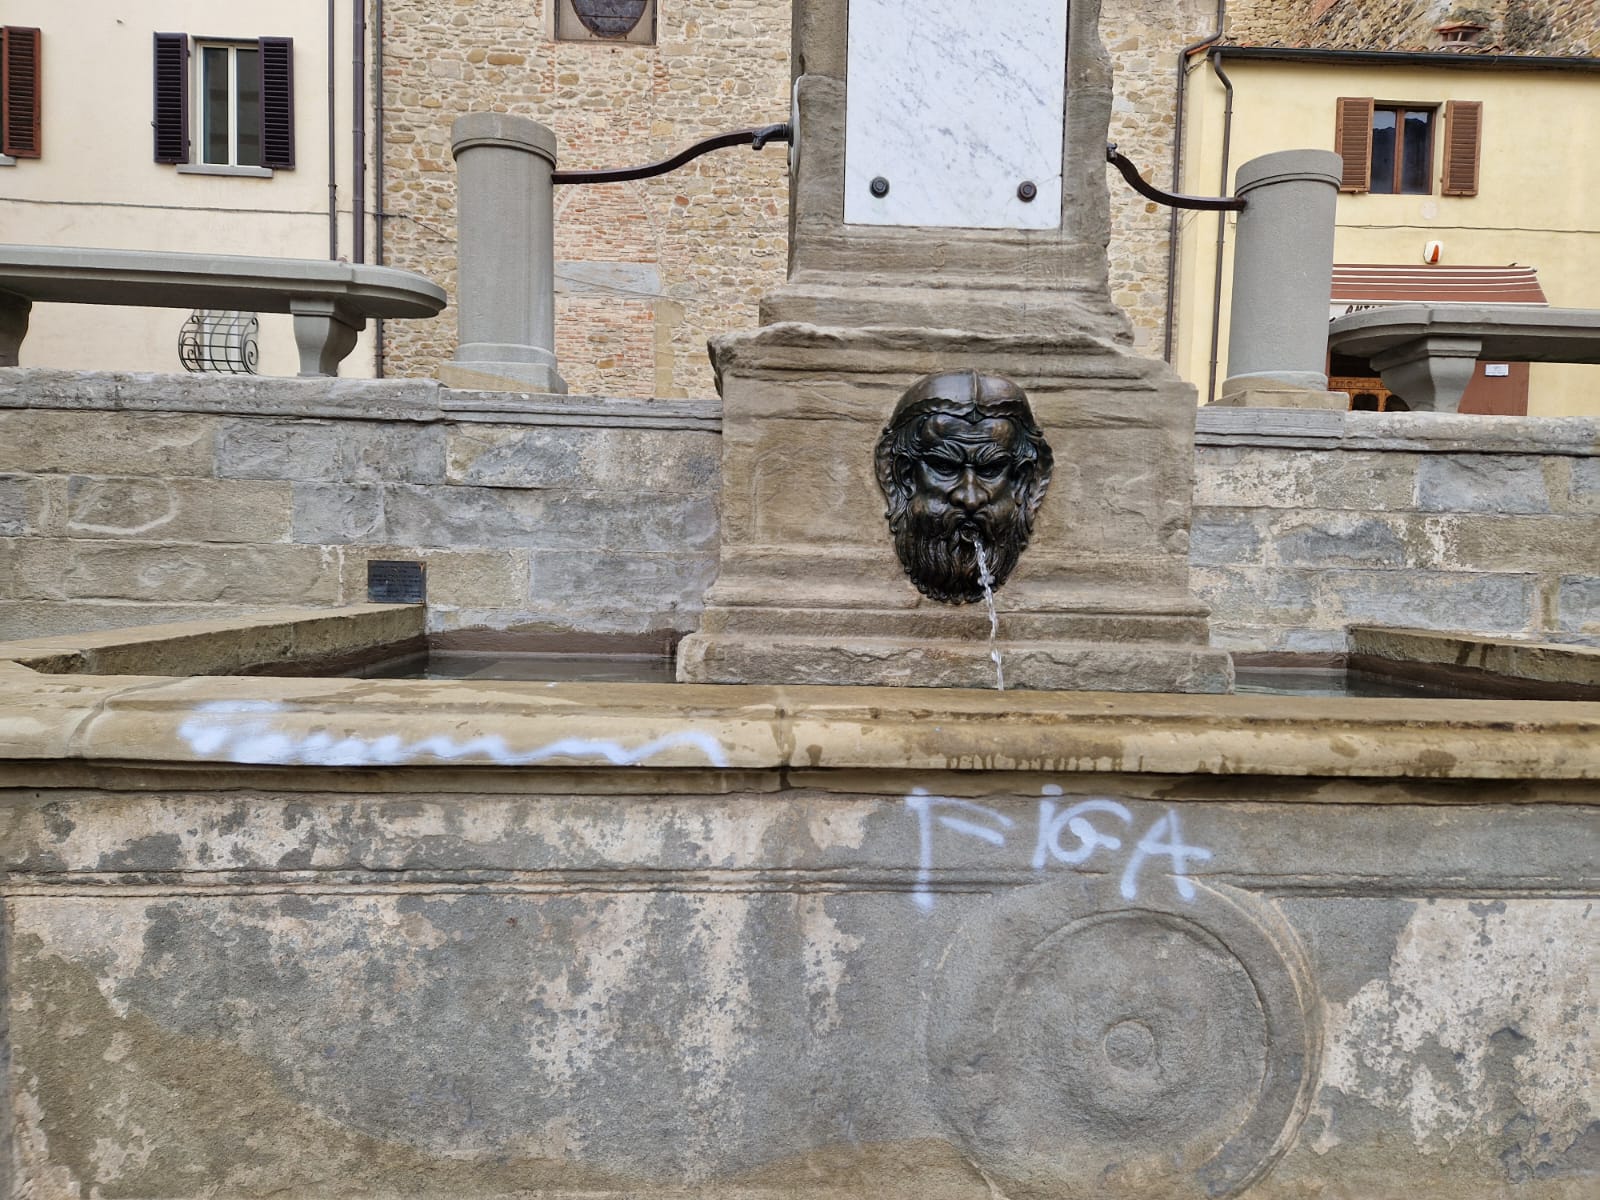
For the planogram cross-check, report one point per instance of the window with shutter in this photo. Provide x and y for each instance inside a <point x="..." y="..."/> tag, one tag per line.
<point x="1352" y="141"/>
<point x="1463" y="130"/>
<point x="171" y="119"/>
<point x="19" y="92"/>
<point x="277" y="102"/>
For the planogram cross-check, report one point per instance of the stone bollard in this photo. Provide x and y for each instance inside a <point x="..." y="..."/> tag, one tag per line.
<point x="1282" y="275"/>
<point x="505" y="256"/>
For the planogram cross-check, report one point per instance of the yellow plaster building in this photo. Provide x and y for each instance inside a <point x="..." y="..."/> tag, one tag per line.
<point x="1495" y="167"/>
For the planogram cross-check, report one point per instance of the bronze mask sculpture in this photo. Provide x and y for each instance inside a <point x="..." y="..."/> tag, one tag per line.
<point x="963" y="467"/>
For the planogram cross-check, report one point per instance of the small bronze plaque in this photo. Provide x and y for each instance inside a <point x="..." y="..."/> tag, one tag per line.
<point x="396" y="582"/>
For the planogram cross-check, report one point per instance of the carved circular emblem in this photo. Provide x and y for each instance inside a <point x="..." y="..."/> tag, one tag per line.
<point x="1090" y="1046"/>
<point x="609" y="18"/>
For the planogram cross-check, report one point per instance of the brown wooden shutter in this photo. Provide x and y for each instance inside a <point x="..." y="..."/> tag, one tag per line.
<point x="1463" y="129"/>
<point x="171" y="121"/>
<point x="19" y="92"/>
<point x="277" y="102"/>
<point x="1352" y="141"/>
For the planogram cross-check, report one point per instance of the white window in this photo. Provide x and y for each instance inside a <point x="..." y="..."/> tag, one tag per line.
<point x="230" y="104"/>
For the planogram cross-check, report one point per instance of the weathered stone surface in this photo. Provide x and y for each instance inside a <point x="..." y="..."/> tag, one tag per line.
<point x="164" y="573"/>
<point x="1585" y="484"/>
<point x="1293" y="478"/>
<point x="1482" y="483"/>
<point x="1578" y="604"/>
<point x="657" y="587"/>
<point x="488" y="516"/>
<point x="327" y="452"/>
<point x="487" y="580"/>
<point x="32" y="569"/>
<point x="1434" y="600"/>
<point x="222" y="645"/>
<point x="1457" y="542"/>
<point x="50" y="440"/>
<point x="159" y="509"/>
<point x="1339" y="539"/>
<point x="21" y="505"/>
<point x="573" y="458"/>
<point x="331" y="513"/>
<point x="730" y="942"/>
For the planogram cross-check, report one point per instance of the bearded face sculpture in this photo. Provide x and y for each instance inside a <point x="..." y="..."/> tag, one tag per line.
<point x="962" y="466"/>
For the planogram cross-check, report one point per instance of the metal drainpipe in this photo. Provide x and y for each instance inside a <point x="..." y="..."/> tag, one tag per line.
<point x="1215" y="59"/>
<point x="358" y="146"/>
<point x="1177" y="175"/>
<point x="333" y="183"/>
<point x="377" y="172"/>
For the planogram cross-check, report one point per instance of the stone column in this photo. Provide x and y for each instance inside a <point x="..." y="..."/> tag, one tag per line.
<point x="1282" y="271"/>
<point x="505" y="255"/>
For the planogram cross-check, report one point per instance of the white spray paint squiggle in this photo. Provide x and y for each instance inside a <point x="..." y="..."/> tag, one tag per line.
<point x="243" y="731"/>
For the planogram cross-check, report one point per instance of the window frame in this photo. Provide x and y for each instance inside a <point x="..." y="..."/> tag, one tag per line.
<point x="1455" y="150"/>
<point x="202" y="101"/>
<point x="178" y="71"/>
<point x="1401" y="109"/>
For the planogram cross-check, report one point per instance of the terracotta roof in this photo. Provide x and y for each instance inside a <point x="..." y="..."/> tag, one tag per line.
<point x="1533" y="28"/>
<point x="1364" y="283"/>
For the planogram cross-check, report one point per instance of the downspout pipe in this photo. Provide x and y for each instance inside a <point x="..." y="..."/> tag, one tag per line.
<point x="377" y="169"/>
<point x="358" y="145"/>
<point x="1167" y="336"/>
<point x="1222" y="225"/>
<point x="333" y="180"/>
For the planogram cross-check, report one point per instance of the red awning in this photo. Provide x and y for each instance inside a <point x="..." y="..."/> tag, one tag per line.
<point x="1360" y="285"/>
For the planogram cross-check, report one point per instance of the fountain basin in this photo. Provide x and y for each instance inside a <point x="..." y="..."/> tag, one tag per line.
<point x="746" y="941"/>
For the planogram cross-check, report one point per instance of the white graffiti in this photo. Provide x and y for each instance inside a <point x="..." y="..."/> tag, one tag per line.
<point x="1164" y="838"/>
<point x="245" y="731"/>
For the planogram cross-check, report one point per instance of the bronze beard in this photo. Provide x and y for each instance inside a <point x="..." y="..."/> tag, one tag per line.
<point x="935" y="541"/>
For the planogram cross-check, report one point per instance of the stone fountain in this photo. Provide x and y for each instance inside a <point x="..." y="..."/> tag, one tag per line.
<point x="333" y="937"/>
<point x="939" y="228"/>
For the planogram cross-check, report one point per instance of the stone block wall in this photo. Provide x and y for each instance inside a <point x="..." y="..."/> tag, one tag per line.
<point x="135" y="499"/>
<point x="131" y="500"/>
<point x="1439" y="521"/>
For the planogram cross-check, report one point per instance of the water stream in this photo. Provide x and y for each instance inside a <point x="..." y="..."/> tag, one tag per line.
<point x="987" y="580"/>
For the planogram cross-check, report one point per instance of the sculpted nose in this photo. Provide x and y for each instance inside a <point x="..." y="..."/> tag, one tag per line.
<point x="968" y="495"/>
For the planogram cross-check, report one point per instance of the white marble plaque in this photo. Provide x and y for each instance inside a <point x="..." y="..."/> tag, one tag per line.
<point x="955" y="104"/>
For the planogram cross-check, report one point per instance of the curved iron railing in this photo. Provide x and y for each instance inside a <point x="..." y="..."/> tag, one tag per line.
<point x="1171" y="199"/>
<point x="755" y="138"/>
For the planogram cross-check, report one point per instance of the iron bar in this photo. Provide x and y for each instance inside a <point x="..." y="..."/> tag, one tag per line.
<point x="755" y="138"/>
<point x="1172" y="199"/>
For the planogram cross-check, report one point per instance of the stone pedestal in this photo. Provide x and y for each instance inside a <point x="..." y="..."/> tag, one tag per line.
<point x="505" y="274"/>
<point x="1282" y="261"/>
<point x="810" y="589"/>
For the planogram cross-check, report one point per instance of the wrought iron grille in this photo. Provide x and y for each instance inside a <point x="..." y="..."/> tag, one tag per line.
<point x="215" y="339"/>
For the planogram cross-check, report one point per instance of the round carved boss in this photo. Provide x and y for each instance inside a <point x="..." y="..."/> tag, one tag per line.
<point x="1079" y="1044"/>
<point x="609" y="18"/>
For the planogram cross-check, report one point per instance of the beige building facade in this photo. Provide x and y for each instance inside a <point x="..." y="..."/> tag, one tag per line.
<point x="154" y="143"/>
<point x="1491" y="180"/>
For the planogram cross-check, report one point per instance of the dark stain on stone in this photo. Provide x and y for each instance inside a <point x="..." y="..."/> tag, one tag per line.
<point x="1350" y="940"/>
<point x="56" y="821"/>
<point x="154" y="852"/>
